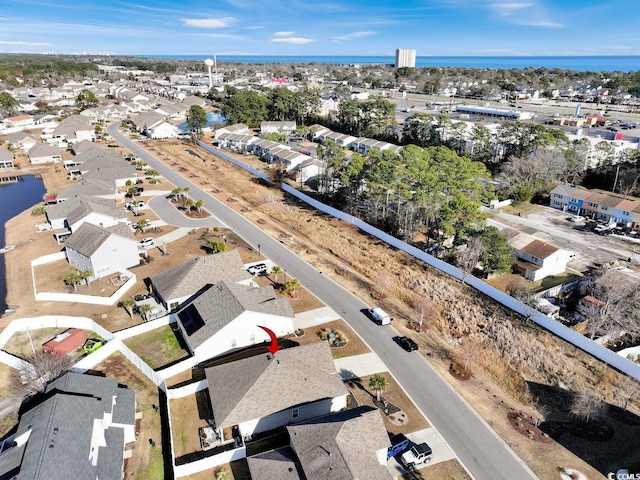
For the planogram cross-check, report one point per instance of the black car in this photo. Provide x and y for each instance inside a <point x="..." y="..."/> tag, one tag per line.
<point x="405" y="342"/>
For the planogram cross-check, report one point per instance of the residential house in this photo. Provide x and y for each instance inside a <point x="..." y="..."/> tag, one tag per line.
<point x="79" y="428"/>
<point x="561" y="197"/>
<point x="22" y="141"/>
<point x="281" y="463"/>
<point x="87" y="187"/>
<point x="278" y="127"/>
<point x="43" y="153"/>
<point x="103" y="251"/>
<point x="225" y="316"/>
<point x="72" y="129"/>
<point x="21" y="122"/>
<point x="102" y="210"/>
<point x="86" y="146"/>
<point x="6" y="159"/>
<point x="154" y="125"/>
<point x="96" y="214"/>
<point x="627" y="213"/>
<point x="348" y="445"/>
<point x="266" y="391"/>
<point x="173" y="286"/>
<point x="237" y="129"/>
<point x="538" y="259"/>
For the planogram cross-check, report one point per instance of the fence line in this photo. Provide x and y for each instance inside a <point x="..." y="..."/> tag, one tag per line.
<point x="180" y="367"/>
<point x="508" y="301"/>
<point x="187" y="390"/>
<point x="210" y="462"/>
<point x="237" y="163"/>
<point x="144" y="327"/>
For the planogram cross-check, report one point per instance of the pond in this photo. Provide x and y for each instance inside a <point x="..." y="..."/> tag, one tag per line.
<point x="213" y="119"/>
<point x="15" y="197"/>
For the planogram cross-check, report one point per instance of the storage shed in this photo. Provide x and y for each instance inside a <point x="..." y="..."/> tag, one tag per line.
<point x="65" y="342"/>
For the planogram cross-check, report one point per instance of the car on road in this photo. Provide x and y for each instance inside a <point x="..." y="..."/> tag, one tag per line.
<point x="418" y="454"/>
<point x="147" y="242"/>
<point x="379" y="316"/>
<point x="257" y="269"/>
<point x="399" y="443"/>
<point x="407" y="343"/>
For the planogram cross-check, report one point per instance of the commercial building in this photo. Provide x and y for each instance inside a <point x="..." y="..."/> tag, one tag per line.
<point x="405" y="58"/>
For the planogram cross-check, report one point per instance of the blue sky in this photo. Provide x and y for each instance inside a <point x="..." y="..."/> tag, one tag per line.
<point x="325" y="27"/>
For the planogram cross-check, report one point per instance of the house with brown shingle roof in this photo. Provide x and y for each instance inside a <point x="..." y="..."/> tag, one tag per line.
<point x="225" y="316"/>
<point x="538" y="259"/>
<point x="266" y="391"/>
<point x="173" y="286"/>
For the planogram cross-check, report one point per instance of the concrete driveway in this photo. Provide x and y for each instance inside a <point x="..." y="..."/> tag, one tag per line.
<point x="441" y="451"/>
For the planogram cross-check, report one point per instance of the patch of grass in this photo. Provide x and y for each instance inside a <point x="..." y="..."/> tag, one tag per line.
<point x="158" y="347"/>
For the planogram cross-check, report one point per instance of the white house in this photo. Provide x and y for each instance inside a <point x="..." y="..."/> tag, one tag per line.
<point x="237" y="129"/>
<point x="278" y="127"/>
<point x="173" y="286"/>
<point x="6" y="159"/>
<point x="103" y="251"/>
<point x="224" y="317"/>
<point x="22" y="141"/>
<point x="162" y="130"/>
<point x="266" y="391"/>
<point x="43" y="153"/>
<point x="538" y="259"/>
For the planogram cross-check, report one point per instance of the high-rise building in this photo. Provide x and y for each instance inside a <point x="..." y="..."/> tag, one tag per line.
<point x="405" y="58"/>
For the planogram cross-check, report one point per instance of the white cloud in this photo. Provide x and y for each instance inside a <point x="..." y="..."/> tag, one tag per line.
<point x="508" y="9"/>
<point x="528" y="14"/>
<point x="283" y="34"/>
<point x="541" y="23"/>
<point x="30" y="44"/>
<point x="292" y="40"/>
<point x="208" y="22"/>
<point x="353" y="36"/>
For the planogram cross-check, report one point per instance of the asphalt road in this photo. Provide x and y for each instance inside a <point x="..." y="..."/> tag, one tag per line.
<point x="479" y="449"/>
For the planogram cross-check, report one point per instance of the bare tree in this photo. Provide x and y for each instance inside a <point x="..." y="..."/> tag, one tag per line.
<point x="518" y="288"/>
<point x="587" y="407"/>
<point x="627" y="388"/>
<point x="422" y="308"/>
<point x="620" y="307"/>
<point x="36" y="372"/>
<point x="542" y="411"/>
<point x="469" y="256"/>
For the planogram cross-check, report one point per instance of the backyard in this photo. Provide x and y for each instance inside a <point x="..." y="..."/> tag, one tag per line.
<point x="159" y="347"/>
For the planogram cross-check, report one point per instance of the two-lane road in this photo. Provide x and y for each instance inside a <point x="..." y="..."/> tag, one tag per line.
<point x="480" y="450"/>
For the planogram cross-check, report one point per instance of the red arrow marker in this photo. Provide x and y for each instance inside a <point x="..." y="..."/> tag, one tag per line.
<point x="274" y="347"/>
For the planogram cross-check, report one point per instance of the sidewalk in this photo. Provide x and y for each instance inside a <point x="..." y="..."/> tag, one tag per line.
<point x="172" y="236"/>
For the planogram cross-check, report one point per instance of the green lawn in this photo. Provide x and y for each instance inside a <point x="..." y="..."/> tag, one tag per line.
<point x="158" y="347"/>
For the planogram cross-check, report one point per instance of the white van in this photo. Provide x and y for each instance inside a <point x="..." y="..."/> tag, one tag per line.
<point x="379" y="316"/>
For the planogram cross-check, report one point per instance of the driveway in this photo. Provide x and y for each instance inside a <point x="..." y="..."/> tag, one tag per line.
<point x="441" y="451"/>
<point x="478" y="447"/>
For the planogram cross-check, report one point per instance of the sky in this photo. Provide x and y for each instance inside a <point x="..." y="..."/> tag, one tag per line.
<point x="324" y="27"/>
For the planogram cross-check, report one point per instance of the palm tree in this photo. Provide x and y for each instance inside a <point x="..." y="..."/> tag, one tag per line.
<point x="379" y="384"/>
<point x="276" y="270"/>
<point x="199" y="204"/>
<point x="73" y="278"/>
<point x="176" y="192"/>
<point x="142" y="224"/>
<point x="86" y="275"/>
<point x="292" y="287"/>
<point x="185" y="191"/>
<point x="128" y="305"/>
<point x="144" y="309"/>
<point x="188" y="204"/>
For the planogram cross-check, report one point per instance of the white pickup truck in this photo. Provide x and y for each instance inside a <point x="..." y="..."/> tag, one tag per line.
<point x="379" y="316"/>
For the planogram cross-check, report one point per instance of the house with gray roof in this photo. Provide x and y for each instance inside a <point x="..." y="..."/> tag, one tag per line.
<point x="72" y="129"/>
<point x="103" y="251"/>
<point x="79" y="429"/>
<point x="347" y="445"/>
<point x="87" y="187"/>
<point x="57" y="213"/>
<point x="173" y="286"/>
<point x="266" y="391"/>
<point x="22" y="141"/>
<point x="6" y="159"/>
<point x="86" y="146"/>
<point x="281" y="463"/>
<point x="43" y="153"/>
<point x="225" y="316"/>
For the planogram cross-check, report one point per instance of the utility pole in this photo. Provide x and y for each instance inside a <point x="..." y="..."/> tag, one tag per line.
<point x="615" y="182"/>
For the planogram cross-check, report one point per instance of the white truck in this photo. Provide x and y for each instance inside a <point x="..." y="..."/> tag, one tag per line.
<point x="379" y="316"/>
<point x="416" y="455"/>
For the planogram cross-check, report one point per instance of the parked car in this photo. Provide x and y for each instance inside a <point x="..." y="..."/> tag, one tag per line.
<point x="379" y="316"/>
<point x="91" y="345"/>
<point x="147" y="242"/>
<point x="416" y="455"/>
<point x="407" y="343"/>
<point x="257" y="269"/>
<point x="140" y="297"/>
<point x="399" y="443"/>
<point x="132" y="205"/>
<point x="575" y="219"/>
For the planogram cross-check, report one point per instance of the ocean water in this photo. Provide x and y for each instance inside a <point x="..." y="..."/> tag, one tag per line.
<point x="15" y="198"/>
<point x="604" y="63"/>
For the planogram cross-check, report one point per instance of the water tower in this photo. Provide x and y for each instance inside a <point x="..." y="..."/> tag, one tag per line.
<point x="209" y="63"/>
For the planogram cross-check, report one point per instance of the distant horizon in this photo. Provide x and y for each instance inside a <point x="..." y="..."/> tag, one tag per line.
<point x="338" y="27"/>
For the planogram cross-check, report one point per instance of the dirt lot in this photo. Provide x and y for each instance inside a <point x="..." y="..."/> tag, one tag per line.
<point x="188" y="414"/>
<point x="344" y="249"/>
